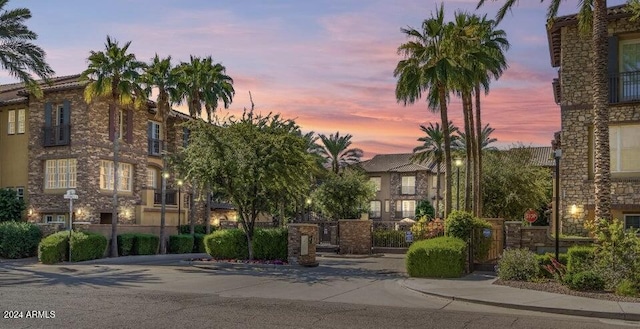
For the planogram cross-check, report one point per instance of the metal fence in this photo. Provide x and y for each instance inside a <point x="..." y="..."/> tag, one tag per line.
<point x="396" y="234"/>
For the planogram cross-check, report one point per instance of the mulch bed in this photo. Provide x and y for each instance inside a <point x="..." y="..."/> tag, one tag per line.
<point x="240" y="261"/>
<point x="555" y="287"/>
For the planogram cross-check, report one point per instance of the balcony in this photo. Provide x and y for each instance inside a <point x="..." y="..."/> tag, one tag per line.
<point x="624" y="87"/>
<point x="56" y="135"/>
<point x="155" y="146"/>
<point x="171" y="197"/>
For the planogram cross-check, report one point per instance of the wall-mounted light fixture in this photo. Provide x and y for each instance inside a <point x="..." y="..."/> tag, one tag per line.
<point x="30" y="212"/>
<point x="574" y="209"/>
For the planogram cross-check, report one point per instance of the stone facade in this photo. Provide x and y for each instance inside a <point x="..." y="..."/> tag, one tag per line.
<point x="422" y="191"/>
<point x="297" y="254"/>
<point x="537" y="238"/>
<point x="576" y="166"/>
<point x="355" y="236"/>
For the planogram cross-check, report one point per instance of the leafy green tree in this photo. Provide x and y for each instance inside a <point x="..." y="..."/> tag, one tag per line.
<point x="345" y="195"/>
<point x="11" y="207"/>
<point x="17" y="54"/>
<point x="424" y="208"/>
<point x="336" y="152"/>
<point x="513" y="184"/>
<point x="249" y="160"/>
<point x="115" y="75"/>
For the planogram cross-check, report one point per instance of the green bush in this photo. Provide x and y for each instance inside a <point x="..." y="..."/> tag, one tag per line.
<point x="146" y="244"/>
<point x="585" y="280"/>
<point x="627" y="287"/>
<point x="11" y="207"/>
<point x="270" y="244"/>
<point x="442" y="257"/>
<point x="461" y="225"/>
<point x="390" y="238"/>
<point x="180" y="244"/>
<point x="544" y="260"/>
<point x="518" y="264"/>
<point x="53" y="249"/>
<point x="580" y="258"/>
<point x="19" y="239"/>
<point x="87" y="246"/>
<point x="198" y="243"/>
<point x="125" y="243"/>
<point x="198" y="229"/>
<point x="227" y="244"/>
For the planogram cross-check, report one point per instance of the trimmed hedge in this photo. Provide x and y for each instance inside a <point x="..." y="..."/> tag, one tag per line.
<point x="125" y="243"/>
<point x="442" y="257"/>
<point x="227" y="244"/>
<point x="270" y="244"/>
<point x="585" y="281"/>
<point x="53" y="249"/>
<point x="180" y="244"/>
<point x="19" y="239"/>
<point x="580" y="258"/>
<point x="87" y="246"/>
<point x="146" y="244"/>
<point x="198" y="243"/>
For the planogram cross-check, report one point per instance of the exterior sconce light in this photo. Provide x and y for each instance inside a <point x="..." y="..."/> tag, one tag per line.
<point x="574" y="209"/>
<point x="30" y="212"/>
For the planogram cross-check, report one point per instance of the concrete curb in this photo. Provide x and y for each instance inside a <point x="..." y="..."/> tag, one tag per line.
<point x="240" y="265"/>
<point x="139" y="259"/>
<point x="556" y="310"/>
<point x="349" y="256"/>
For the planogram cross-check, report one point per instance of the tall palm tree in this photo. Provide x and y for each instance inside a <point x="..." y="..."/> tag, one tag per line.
<point x="191" y="81"/>
<point x="485" y="139"/>
<point x="161" y="75"/>
<point x="218" y="86"/>
<point x="336" y="151"/>
<point x="115" y="74"/>
<point x="17" y="54"/>
<point x="432" y="147"/>
<point x="430" y="65"/>
<point x="592" y="17"/>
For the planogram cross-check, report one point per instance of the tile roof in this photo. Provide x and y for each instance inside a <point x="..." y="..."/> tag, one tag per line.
<point x="16" y="92"/>
<point x="395" y="162"/>
<point x="540" y="156"/>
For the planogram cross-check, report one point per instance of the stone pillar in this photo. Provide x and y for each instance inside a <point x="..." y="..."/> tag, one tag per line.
<point x="355" y="236"/>
<point x="302" y="244"/>
<point x="513" y="230"/>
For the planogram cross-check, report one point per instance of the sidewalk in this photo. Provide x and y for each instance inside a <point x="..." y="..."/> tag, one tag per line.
<point x="478" y="288"/>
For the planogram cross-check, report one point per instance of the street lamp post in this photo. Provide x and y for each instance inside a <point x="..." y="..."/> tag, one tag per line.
<point x="179" y="205"/>
<point x="458" y="163"/>
<point x="557" y="154"/>
<point x="308" y="201"/>
<point x="163" y="210"/>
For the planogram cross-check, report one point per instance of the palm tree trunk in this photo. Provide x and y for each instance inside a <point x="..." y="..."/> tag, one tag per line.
<point x="163" y="210"/>
<point x="114" y="211"/>
<point x="437" y="203"/>
<point x="192" y="209"/>
<point x="468" y="131"/>
<point x="477" y="185"/>
<point x="602" y="175"/>
<point x="442" y="97"/>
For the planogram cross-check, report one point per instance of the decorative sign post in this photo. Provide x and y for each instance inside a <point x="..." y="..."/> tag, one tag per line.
<point x="408" y="237"/>
<point x="70" y="195"/>
<point x="531" y="216"/>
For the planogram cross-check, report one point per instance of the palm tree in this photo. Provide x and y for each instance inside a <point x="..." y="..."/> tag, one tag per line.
<point x="17" y="54"/>
<point x="430" y="65"/>
<point x="217" y="87"/>
<point x="592" y="16"/>
<point x="114" y="74"/>
<point x="336" y="151"/>
<point x="161" y="75"/>
<point x="191" y="81"/>
<point x="485" y="139"/>
<point x="433" y="148"/>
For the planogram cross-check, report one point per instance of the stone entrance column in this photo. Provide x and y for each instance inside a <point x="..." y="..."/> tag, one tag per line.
<point x="302" y="244"/>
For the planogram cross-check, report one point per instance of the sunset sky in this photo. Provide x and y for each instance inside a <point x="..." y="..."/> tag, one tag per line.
<point x="327" y="63"/>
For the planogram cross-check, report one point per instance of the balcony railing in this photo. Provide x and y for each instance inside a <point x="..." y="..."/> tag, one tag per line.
<point x="56" y="135"/>
<point x="155" y="146"/>
<point x="171" y="197"/>
<point x="624" y="87"/>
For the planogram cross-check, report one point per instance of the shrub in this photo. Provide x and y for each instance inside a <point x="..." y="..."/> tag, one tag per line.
<point x="580" y="258"/>
<point x="442" y="257"/>
<point x="518" y="264"/>
<point x="87" y="246"/>
<point x="19" y="239"/>
<point x="270" y="244"/>
<point x="627" y="287"/>
<point x="198" y="243"/>
<point x="545" y="262"/>
<point x="146" y="244"/>
<point x="390" y="238"/>
<point x="618" y="252"/>
<point x="125" y="243"/>
<point x="198" y="229"/>
<point x="227" y="244"/>
<point x="180" y="244"/>
<point x="461" y="224"/>
<point x="425" y="229"/>
<point x="53" y="249"/>
<point x="11" y="207"/>
<point x="586" y="280"/>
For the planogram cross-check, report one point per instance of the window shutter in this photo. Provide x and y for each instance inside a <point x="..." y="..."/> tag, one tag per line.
<point x="150" y="140"/>
<point x="66" y="121"/>
<point x="129" y="126"/>
<point x="185" y="136"/>
<point x="612" y="68"/>
<point x="112" y="122"/>
<point x="47" y="114"/>
<point x="48" y="129"/>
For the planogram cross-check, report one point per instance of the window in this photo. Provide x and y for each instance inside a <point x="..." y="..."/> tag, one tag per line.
<point x="632" y="221"/>
<point x="434" y="182"/>
<point x="21" y="121"/>
<point x="54" y="218"/>
<point x="374" y="209"/>
<point x="408" y="185"/>
<point x="125" y="178"/>
<point x="60" y="173"/>
<point x="11" y="125"/>
<point x="629" y="65"/>
<point x="155" y="142"/>
<point x="152" y="178"/>
<point x="408" y="208"/>
<point x="20" y="193"/>
<point x="377" y="181"/>
<point x="387" y="205"/>
<point x="624" y="142"/>
<point x="57" y="128"/>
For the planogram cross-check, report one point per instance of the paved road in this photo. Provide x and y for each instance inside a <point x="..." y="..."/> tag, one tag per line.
<point x="338" y="294"/>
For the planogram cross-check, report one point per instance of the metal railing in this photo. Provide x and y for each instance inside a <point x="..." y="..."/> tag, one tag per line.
<point x="624" y="87"/>
<point x="393" y="234"/>
<point x="155" y="146"/>
<point x="56" y="135"/>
